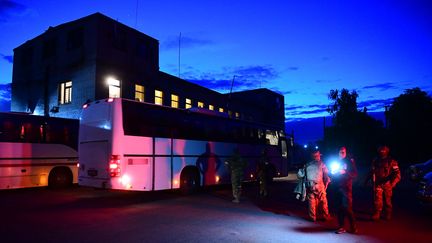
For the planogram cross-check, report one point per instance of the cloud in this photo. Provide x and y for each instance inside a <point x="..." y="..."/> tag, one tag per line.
<point x="375" y="104"/>
<point x="7" y="58"/>
<point x="5" y="97"/>
<point x="5" y="92"/>
<point x="294" y="107"/>
<point x="382" y="87"/>
<point x="185" y="42"/>
<point x="286" y="92"/>
<point x="242" y="77"/>
<point x="294" y="112"/>
<point x="328" y="80"/>
<point x="10" y="8"/>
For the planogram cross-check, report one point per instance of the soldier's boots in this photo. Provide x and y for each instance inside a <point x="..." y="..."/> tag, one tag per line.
<point x="376" y="216"/>
<point x="388" y="216"/>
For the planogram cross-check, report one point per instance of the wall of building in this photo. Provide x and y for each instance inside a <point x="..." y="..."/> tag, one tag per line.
<point x="111" y="49"/>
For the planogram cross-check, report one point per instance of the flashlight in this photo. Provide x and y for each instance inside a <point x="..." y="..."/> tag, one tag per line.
<point x="335" y="167"/>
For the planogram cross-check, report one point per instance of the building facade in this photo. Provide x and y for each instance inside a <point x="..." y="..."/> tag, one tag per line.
<point x="96" y="57"/>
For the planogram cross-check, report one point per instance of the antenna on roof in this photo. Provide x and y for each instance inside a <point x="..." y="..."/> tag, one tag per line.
<point x="136" y="14"/>
<point x="179" y="55"/>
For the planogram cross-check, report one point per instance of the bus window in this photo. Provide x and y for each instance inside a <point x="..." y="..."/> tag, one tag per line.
<point x="21" y="142"/>
<point x="272" y="137"/>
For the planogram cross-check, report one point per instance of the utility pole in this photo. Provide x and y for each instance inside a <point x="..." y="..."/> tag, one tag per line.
<point x="179" y="55"/>
<point x="386" y="107"/>
<point x="136" y="14"/>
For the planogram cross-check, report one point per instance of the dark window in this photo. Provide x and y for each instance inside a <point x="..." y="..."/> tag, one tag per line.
<point x="141" y="119"/>
<point x="38" y="129"/>
<point x="75" y="38"/>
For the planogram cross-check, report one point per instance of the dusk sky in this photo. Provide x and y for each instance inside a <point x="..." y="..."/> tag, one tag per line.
<point x="301" y="49"/>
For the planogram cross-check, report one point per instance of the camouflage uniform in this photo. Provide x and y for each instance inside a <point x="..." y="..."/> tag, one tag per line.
<point x="236" y="164"/>
<point x="386" y="174"/>
<point x="317" y="180"/>
<point x="263" y="174"/>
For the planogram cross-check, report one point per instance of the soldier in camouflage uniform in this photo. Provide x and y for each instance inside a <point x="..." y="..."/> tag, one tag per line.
<point x="316" y="176"/>
<point x="263" y="173"/>
<point x="385" y="174"/>
<point x="237" y="165"/>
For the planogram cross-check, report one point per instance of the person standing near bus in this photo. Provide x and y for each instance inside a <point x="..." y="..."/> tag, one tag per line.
<point x="316" y="177"/>
<point x="343" y="174"/>
<point x="236" y="165"/>
<point x="385" y="174"/>
<point x="263" y="173"/>
<point x="208" y="164"/>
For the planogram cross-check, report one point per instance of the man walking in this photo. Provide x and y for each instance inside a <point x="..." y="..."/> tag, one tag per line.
<point x="343" y="174"/>
<point x="316" y="175"/>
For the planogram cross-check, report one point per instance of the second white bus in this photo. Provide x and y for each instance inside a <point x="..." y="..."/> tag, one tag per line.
<point x="37" y="151"/>
<point x="130" y="145"/>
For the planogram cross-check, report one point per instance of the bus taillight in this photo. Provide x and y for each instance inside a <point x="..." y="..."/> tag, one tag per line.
<point x="114" y="165"/>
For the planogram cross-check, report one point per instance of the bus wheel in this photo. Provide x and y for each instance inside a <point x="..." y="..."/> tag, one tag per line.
<point x="60" y="177"/>
<point x="189" y="181"/>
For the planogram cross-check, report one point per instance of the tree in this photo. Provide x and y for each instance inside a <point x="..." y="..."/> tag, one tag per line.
<point x="344" y="107"/>
<point x="351" y="127"/>
<point x="410" y="126"/>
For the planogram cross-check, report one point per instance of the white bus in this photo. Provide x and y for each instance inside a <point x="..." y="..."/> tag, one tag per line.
<point x="37" y="151"/>
<point x="131" y="145"/>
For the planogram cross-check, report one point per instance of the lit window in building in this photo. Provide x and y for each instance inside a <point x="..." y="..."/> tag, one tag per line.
<point x="221" y="109"/>
<point x="65" y="92"/>
<point x="139" y="93"/>
<point x="200" y="104"/>
<point x="237" y="115"/>
<point x="211" y="107"/>
<point x="158" y="97"/>
<point x="114" y="88"/>
<point x="174" y="101"/>
<point x="188" y="103"/>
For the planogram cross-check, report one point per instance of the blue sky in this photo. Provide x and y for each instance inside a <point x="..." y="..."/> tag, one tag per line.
<point x="301" y="49"/>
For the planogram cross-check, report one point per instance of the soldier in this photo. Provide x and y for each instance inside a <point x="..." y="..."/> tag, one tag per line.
<point x="263" y="173"/>
<point x="343" y="174"/>
<point x="236" y="164"/>
<point x="316" y="175"/>
<point x="385" y="174"/>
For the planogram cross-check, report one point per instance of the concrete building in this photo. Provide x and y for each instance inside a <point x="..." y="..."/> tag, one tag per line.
<point x="96" y="57"/>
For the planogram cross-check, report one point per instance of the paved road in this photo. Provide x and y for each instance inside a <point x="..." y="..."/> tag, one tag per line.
<point x="88" y="215"/>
